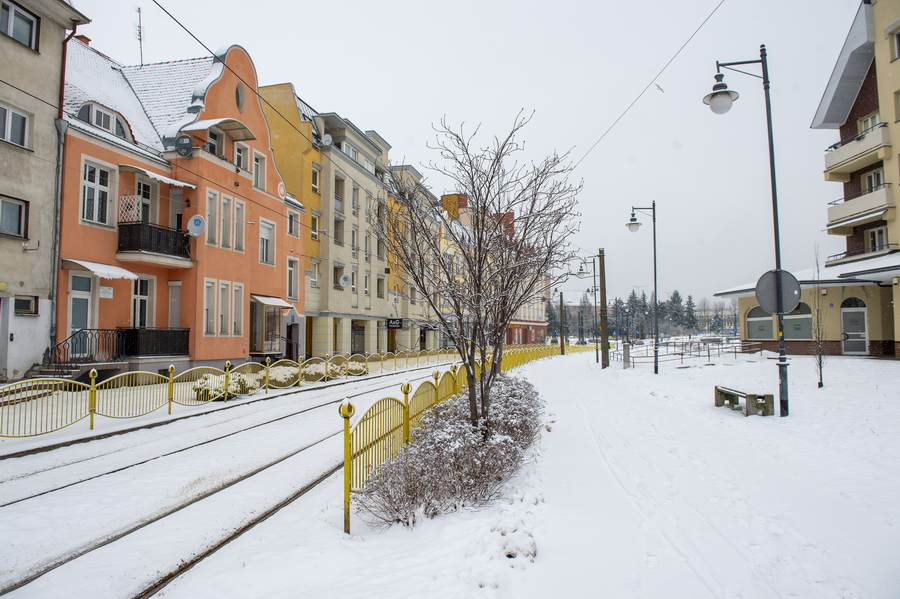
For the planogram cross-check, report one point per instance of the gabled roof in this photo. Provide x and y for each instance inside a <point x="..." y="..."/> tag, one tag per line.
<point x="171" y="90"/>
<point x="849" y="72"/>
<point x="94" y="77"/>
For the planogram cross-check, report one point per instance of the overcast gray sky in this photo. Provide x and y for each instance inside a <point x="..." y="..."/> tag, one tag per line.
<point x="399" y="66"/>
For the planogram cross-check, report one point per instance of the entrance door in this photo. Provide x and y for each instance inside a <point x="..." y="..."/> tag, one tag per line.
<point x="854" y="337"/>
<point x="80" y="316"/>
<point x="358" y="337"/>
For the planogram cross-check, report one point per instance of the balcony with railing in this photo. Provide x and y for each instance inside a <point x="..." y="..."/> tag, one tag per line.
<point x="851" y="154"/>
<point x="141" y="241"/>
<point x="338" y="203"/>
<point x="869" y="252"/>
<point x="867" y="206"/>
<point x="100" y="346"/>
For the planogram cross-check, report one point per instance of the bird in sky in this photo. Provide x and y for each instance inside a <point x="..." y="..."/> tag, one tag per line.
<point x="659" y="88"/>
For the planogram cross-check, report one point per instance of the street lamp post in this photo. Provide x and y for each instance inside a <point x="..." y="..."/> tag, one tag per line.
<point x="594" y="270"/>
<point x="720" y="101"/>
<point x="633" y="225"/>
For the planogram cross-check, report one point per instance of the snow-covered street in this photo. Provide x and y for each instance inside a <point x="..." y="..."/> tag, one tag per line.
<point x="640" y="488"/>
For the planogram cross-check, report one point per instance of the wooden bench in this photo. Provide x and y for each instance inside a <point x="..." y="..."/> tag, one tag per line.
<point x="762" y="404"/>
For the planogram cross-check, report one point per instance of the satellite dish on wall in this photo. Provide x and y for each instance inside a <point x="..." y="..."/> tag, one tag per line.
<point x="326" y="140"/>
<point x="196" y="226"/>
<point x="344" y="281"/>
<point x="184" y="145"/>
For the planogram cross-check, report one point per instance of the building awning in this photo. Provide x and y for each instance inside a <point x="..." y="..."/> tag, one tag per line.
<point x="136" y="169"/>
<point x="233" y="128"/>
<point x="872" y="216"/>
<point x="276" y="302"/>
<point x="104" y="271"/>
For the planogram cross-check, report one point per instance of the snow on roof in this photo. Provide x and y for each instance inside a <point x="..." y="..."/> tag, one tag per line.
<point x="879" y="269"/>
<point x="168" y="90"/>
<point x="94" y="77"/>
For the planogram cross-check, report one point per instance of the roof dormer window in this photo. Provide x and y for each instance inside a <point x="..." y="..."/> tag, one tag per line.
<point x="104" y="119"/>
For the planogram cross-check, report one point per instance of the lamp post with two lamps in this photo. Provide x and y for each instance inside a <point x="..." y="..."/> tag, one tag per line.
<point x="633" y="225"/>
<point x="720" y="101"/>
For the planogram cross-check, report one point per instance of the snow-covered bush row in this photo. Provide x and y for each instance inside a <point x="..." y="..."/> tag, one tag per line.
<point x="448" y="464"/>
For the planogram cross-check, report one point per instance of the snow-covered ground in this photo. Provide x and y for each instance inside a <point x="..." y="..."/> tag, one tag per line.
<point x="640" y="488"/>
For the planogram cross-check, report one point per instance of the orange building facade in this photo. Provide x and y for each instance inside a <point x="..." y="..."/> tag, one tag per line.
<point x="179" y="244"/>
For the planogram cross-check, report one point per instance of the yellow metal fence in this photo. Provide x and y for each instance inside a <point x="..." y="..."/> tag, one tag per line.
<point x="378" y="434"/>
<point x="39" y="406"/>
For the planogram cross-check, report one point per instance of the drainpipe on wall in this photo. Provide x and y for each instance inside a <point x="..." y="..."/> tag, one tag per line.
<point x="61" y="127"/>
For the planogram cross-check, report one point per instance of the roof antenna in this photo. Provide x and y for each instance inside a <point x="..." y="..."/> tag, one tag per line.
<point x="139" y="34"/>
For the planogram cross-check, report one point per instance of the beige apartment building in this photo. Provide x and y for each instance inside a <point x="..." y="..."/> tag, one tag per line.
<point x="852" y="295"/>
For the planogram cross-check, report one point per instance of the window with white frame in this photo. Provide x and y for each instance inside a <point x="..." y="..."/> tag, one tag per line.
<point x="209" y="308"/>
<point x="213" y="141"/>
<point x="19" y="24"/>
<point x="367" y="249"/>
<point x="266" y="242"/>
<point x="226" y="222"/>
<point x="293" y="279"/>
<point x="379" y="287"/>
<point x="212" y="217"/>
<point x="13" y="217"/>
<point x="13" y="126"/>
<point x="877" y="239"/>
<point x="868" y="123"/>
<point x="241" y="156"/>
<point x="895" y="44"/>
<point x="412" y="295"/>
<point x="873" y="181"/>
<point x="237" y="309"/>
<point x="142" y="303"/>
<point x="353" y="281"/>
<point x="105" y="119"/>
<point x="95" y="198"/>
<point x="354" y="241"/>
<point x="366" y="284"/>
<point x="314" y="274"/>
<point x="315" y="180"/>
<point x="314" y="227"/>
<point x="224" y="311"/>
<point x="259" y="171"/>
<point x="350" y="151"/>
<point x="239" y="218"/>
<point x="293" y="224"/>
<point x="370" y="166"/>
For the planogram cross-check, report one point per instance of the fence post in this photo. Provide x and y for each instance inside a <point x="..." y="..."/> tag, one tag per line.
<point x="405" y="388"/>
<point x="92" y="395"/>
<point x="227" y="379"/>
<point x="171" y="386"/>
<point x="268" y="362"/>
<point x="346" y="410"/>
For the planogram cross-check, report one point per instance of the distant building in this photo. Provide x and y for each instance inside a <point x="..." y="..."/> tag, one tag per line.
<point x="32" y="34"/>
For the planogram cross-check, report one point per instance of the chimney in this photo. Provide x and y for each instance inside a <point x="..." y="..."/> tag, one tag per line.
<point x="83" y="39"/>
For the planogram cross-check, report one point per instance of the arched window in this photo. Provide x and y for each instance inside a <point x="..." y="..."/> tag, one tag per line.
<point x="798" y="324"/>
<point x="105" y="119"/>
<point x="759" y="324"/>
<point x="853" y="302"/>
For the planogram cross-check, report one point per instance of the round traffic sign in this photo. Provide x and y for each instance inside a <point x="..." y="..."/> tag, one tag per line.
<point x="767" y="291"/>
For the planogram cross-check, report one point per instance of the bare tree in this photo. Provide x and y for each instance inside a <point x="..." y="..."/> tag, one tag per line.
<point x="476" y="265"/>
<point x="818" y="324"/>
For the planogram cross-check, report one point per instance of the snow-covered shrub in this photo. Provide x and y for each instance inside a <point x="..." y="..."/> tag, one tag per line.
<point x="448" y="464"/>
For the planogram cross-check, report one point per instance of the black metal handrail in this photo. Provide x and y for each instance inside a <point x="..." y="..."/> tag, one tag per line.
<point x="144" y="237"/>
<point x="878" y="248"/>
<point x="91" y="346"/>
<point x="857" y="137"/>
<point x="859" y="194"/>
<point x="291" y="349"/>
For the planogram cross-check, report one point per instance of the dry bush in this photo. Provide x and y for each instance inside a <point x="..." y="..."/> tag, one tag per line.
<point x="449" y="464"/>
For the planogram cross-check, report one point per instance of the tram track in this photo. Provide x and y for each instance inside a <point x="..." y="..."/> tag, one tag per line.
<point x="26" y="576"/>
<point x="132" y="464"/>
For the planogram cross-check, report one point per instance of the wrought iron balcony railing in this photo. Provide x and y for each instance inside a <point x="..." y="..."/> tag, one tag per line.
<point x="144" y="237"/>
